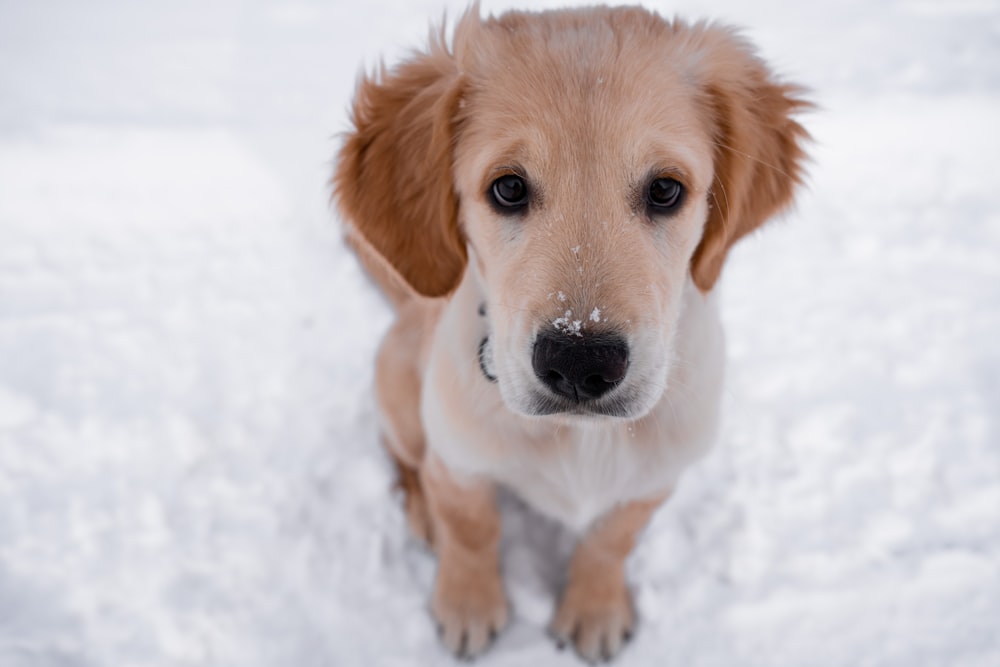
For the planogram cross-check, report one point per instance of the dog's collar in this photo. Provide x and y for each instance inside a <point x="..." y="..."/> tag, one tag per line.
<point x="485" y="352"/>
<point x="486" y="359"/>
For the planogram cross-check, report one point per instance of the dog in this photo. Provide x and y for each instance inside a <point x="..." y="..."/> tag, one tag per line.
<point x="547" y="200"/>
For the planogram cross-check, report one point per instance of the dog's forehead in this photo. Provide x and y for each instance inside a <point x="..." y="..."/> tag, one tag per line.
<point x="580" y="87"/>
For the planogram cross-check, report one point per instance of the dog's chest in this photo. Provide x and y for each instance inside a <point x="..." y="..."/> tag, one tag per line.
<point x="573" y="474"/>
<point x="580" y="476"/>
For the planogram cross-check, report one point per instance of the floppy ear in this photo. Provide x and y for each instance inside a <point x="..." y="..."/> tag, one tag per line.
<point x="393" y="181"/>
<point x="758" y="153"/>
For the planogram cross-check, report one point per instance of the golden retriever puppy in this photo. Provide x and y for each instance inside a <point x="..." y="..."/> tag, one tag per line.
<point x="548" y="201"/>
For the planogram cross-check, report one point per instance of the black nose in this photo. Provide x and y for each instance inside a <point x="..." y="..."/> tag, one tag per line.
<point x="579" y="369"/>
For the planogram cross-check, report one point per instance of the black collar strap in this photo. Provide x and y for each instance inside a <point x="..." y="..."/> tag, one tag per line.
<point x="485" y="352"/>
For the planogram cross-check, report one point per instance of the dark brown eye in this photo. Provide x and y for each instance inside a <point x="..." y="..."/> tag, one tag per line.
<point x="664" y="195"/>
<point x="509" y="193"/>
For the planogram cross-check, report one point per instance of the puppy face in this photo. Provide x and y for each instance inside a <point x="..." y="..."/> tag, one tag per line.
<point x="582" y="183"/>
<point x="593" y="162"/>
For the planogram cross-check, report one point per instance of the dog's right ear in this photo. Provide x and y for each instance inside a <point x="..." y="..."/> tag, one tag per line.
<point x="759" y="152"/>
<point x="393" y="180"/>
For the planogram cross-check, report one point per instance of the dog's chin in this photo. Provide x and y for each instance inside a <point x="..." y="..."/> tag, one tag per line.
<point x="623" y="405"/>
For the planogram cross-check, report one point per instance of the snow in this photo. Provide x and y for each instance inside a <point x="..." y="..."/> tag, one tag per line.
<point x="189" y="470"/>
<point x="567" y="324"/>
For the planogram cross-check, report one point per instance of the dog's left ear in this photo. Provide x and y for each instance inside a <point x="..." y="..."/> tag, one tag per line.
<point x="758" y="147"/>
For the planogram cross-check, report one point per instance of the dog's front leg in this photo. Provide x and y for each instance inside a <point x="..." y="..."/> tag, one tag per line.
<point x="595" y="612"/>
<point x="468" y="602"/>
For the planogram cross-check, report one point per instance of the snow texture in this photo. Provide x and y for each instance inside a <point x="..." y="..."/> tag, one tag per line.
<point x="189" y="470"/>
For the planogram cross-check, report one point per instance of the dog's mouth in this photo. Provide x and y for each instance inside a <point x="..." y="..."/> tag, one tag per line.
<point x="542" y="405"/>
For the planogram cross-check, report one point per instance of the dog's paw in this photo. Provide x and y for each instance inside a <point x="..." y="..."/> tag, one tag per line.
<point x="596" y="617"/>
<point x="470" y="609"/>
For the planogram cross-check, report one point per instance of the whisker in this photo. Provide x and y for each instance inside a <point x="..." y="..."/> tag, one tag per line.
<point x="723" y="210"/>
<point x="754" y="159"/>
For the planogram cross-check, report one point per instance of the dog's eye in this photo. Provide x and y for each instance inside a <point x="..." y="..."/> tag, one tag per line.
<point x="509" y="193"/>
<point x="664" y="195"/>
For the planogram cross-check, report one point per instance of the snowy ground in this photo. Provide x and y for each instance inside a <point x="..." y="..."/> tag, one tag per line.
<point x="188" y="466"/>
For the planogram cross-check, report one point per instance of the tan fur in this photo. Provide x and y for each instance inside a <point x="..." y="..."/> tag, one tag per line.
<point x="394" y="175"/>
<point x="589" y="105"/>
<point x="468" y="600"/>
<point x="758" y="156"/>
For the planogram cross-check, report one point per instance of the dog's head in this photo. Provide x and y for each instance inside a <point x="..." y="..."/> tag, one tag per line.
<point x="590" y="163"/>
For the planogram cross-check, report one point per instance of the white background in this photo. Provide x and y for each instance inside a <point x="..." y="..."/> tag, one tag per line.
<point x="189" y="472"/>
